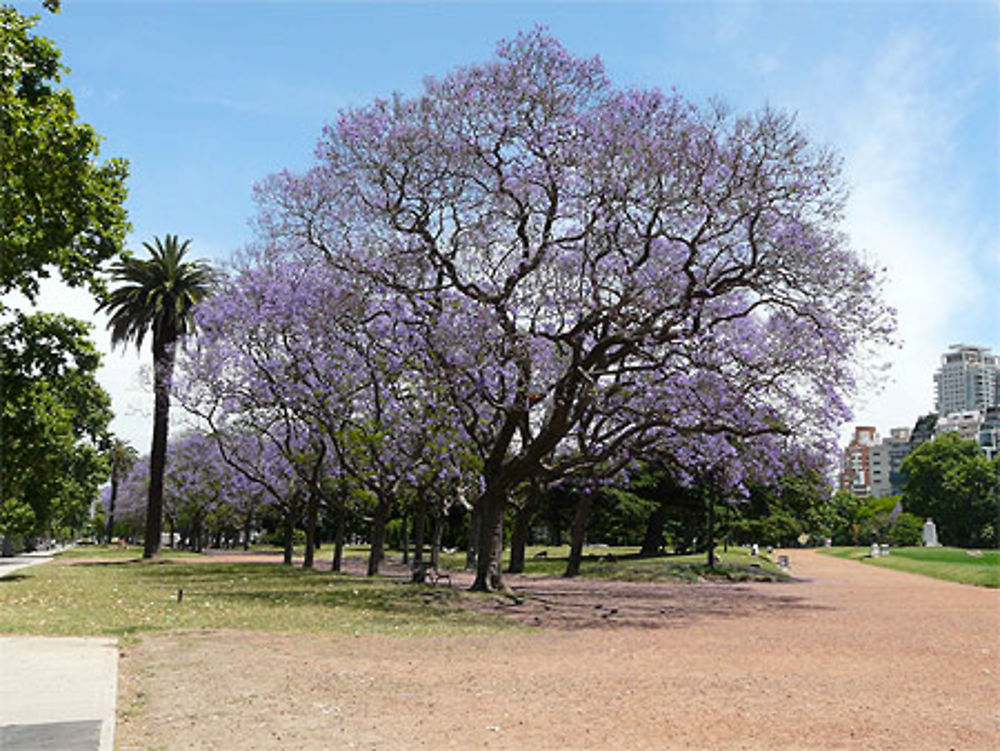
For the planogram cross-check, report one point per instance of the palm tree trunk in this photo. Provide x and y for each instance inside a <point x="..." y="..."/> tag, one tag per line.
<point x="162" y="370"/>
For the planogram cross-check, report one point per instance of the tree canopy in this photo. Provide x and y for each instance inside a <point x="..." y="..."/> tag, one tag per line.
<point x="589" y="274"/>
<point x="55" y="417"/>
<point x="59" y="207"/>
<point x="951" y="481"/>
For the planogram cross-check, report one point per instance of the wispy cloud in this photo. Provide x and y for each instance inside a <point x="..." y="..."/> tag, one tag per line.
<point x="906" y="212"/>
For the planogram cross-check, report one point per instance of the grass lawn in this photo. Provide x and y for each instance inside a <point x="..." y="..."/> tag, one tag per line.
<point x="117" y="597"/>
<point x="96" y="590"/>
<point x="623" y="564"/>
<point x="952" y="564"/>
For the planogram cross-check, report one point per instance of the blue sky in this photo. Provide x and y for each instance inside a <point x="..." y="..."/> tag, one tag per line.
<point x="205" y="98"/>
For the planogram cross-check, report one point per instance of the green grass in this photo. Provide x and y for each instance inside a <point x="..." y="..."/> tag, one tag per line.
<point x="623" y="564"/>
<point x="119" y="597"/>
<point x="951" y="564"/>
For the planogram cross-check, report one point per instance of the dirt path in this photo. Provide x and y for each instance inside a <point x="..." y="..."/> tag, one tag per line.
<point x="853" y="657"/>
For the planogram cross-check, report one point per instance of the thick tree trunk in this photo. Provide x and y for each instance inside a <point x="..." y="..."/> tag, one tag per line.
<point x="419" y="525"/>
<point x="475" y="522"/>
<point x="489" y="545"/>
<point x="162" y="368"/>
<point x="519" y="535"/>
<point x="338" y="539"/>
<point x="578" y="533"/>
<point x="653" y="541"/>
<point x="312" y="512"/>
<point x="378" y="536"/>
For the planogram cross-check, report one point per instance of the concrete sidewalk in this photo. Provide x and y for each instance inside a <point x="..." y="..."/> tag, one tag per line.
<point x="56" y="694"/>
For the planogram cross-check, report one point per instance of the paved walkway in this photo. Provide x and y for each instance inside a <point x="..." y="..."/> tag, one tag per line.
<point x="56" y="694"/>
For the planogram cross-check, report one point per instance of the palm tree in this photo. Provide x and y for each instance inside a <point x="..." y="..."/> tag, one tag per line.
<point x="121" y="457"/>
<point x="157" y="295"/>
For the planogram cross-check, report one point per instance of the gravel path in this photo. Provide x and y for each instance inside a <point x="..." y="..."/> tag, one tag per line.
<point x="850" y="657"/>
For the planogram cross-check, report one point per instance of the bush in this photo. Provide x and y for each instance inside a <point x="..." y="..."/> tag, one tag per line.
<point x="908" y="529"/>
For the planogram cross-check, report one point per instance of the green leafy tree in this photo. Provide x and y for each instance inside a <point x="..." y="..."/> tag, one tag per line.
<point x="906" y="530"/>
<point x="951" y="481"/>
<point x="55" y="415"/>
<point x="157" y="296"/>
<point x="58" y="206"/>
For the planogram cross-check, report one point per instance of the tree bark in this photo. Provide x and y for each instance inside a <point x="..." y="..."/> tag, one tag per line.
<point x="247" y="522"/>
<point x="312" y="512"/>
<point x="404" y="532"/>
<point x="653" y="541"/>
<point x="578" y="533"/>
<point x="710" y="533"/>
<point x="519" y="535"/>
<point x="419" y="526"/>
<point x="436" y="537"/>
<point x="338" y="539"/>
<point x="475" y="522"/>
<point x="162" y="370"/>
<point x="289" y="538"/>
<point x="378" y="536"/>
<point x="489" y="545"/>
<point x="111" y="502"/>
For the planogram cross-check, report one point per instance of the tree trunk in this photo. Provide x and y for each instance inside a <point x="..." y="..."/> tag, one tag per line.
<point x="578" y="532"/>
<point x="162" y="369"/>
<point x="519" y="536"/>
<point x="710" y="534"/>
<point x="404" y="531"/>
<point x="289" y="537"/>
<point x="419" y="525"/>
<point x="653" y="541"/>
<point x="489" y="545"/>
<point x="247" y="522"/>
<point x="111" y="503"/>
<point x="378" y="536"/>
<point x="436" y="537"/>
<point x="312" y="512"/>
<point x="475" y="522"/>
<point x="338" y="539"/>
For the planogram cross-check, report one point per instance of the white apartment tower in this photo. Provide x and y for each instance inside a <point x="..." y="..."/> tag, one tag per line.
<point x="967" y="380"/>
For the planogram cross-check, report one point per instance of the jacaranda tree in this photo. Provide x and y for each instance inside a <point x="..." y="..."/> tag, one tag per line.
<point x="590" y="273"/>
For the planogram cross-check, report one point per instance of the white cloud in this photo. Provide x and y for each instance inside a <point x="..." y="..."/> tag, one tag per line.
<point x="906" y="212"/>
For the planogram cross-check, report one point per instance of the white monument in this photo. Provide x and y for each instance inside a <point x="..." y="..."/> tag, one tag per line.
<point x="930" y="534"/>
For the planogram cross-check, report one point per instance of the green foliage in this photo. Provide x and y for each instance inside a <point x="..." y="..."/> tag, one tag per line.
<point x="156" y="295"/>
<point x="54" y="415"/>
<point x="838" y="518"/>
<point x="778" y="514"/>
<point x="951" y="481"/>
<point x="58" y="206"/>
<point x="907" y="530"/>
<point x="17" y="518"/>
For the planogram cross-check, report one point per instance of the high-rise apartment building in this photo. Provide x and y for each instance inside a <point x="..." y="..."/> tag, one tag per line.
<point x="855" y="471"/>
<point x="967" y="380"/>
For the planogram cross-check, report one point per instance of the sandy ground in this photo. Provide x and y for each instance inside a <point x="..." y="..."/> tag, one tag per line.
<point x="849" y="657"/>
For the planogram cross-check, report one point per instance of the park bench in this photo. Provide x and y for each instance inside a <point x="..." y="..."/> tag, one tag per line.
<point x="424" y="573"/>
